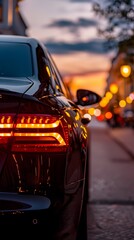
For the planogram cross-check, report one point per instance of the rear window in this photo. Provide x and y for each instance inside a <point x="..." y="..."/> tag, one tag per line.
<point x="15" y="60"/>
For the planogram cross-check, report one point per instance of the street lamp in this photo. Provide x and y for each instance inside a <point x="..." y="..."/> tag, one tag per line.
<point x="125" y="70"/>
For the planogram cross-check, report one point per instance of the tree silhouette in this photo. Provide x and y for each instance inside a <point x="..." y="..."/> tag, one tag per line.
<point x="118" y="16"/>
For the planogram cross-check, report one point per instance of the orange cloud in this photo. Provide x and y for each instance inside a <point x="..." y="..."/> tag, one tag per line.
<point x="95" y="81"/>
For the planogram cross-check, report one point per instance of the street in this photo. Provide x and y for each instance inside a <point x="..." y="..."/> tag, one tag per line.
<point x="111" y="203"/>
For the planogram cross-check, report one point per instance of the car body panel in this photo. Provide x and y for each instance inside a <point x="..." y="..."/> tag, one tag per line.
<point x="43" y="143"/>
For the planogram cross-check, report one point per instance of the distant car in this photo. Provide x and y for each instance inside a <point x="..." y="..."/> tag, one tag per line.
<point x="43" y="143"/>
<point x="116" y="121"/>
<point x="128" y="116"/>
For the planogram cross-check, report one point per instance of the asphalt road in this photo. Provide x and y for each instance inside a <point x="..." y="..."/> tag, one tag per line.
<point x="111" y="203"/>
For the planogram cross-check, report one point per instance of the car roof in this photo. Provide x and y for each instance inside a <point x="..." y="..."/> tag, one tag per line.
<point x="22" y="39"/>
<point x="17" y="38"/>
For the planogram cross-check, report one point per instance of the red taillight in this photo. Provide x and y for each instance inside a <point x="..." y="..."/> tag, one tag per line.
<point x="32" y="132"/>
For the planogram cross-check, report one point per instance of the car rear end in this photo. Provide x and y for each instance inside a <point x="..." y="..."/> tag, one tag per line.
<point x="33" y="145"/>
<point x="43" y="145"/>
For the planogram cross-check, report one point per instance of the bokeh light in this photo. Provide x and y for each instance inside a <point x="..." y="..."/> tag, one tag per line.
<point x="97" y="112"/>
<point x="108" y="115"/>
<point x="109" y="95"/>
<point x="113" y="88"/>
<point x="125" y="70"/>
<point x="86" y="115"/>
<point x="122" y="103"/>
<point x="91" y="111"/>
<point x="104" y="102"/>
<point x="129" y="100"/>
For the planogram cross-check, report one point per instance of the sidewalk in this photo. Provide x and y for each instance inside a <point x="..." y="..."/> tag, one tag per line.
<point x="125" y="137"/>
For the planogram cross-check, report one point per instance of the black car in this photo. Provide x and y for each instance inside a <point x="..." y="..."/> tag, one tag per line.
<point x="43" y="143"/>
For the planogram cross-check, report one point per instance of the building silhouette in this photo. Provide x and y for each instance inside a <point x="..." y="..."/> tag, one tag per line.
<point x="125" y="56"/>
<point x="11" y="21"/>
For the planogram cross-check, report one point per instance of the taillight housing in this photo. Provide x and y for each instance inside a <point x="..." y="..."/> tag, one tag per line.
<point x="33" y="132"/>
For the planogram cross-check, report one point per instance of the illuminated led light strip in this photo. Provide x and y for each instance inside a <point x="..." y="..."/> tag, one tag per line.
<point x="55" y="135"/>
<point x="30" y="125"/>
<point x="5" y="134"/>
<point x="6" y="125"/>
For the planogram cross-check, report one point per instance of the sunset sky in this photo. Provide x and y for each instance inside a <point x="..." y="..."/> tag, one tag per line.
<point x="69" y="30"/>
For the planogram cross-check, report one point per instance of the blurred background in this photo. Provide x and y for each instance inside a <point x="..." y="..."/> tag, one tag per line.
<point x="92" y="43"/>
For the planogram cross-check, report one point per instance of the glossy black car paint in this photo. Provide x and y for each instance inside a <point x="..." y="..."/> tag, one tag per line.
<point x="47" y="185"/>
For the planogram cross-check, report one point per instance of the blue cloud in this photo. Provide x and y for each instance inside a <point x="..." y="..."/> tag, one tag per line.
<point x="81" y="22"/>
<point x="95" y="46"/>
